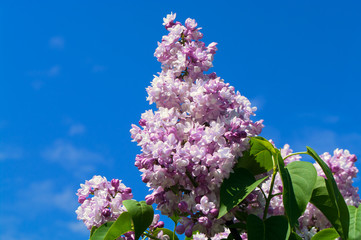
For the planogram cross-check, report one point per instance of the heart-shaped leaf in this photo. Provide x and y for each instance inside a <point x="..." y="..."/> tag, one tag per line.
<point x="142" y="215"/>
<point x="236" y="188"/>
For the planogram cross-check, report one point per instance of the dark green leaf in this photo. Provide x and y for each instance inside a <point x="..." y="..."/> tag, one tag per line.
<point x="355" y="223"/>
<point x="294" y="236"/>
<point x="171" y="234"/>
<point x="258" y="159"/>
<point x="101" y="232"/>
<point x="326" y="234"/>
<point x="236" y="188"/>
<point x="277" y="227"/>
<point x="340" y="217"/>
<point x="142" y="215"/>
<point x="122" y="225"/>
<point x="292" y="209"/>
<point x="255" y="228"/>
<point x="303" y="177"/>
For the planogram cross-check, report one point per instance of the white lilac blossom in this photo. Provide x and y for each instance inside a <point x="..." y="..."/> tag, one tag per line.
<point x="101" y="200"/>
<point x="201" y="126"/>
<point x="342" y="165"/>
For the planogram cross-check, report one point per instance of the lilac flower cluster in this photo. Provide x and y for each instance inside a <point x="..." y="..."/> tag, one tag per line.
<point x="191" y="142"/>
<point x="101" y="201"/>
<point x="342" y="165"/>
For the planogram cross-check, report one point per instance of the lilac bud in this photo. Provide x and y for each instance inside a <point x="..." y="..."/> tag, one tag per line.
<point x="115" y="183"/>
<point x="142" y="122"/>
<point x="189" y="231"/>
<point x="127" y="190"/>
<point x="106" y="212"/>
<point x="243" y="134"/>
<point x="160" y="224"/>
<point x="183" y="206"/>
<point x="180" y="229"/>
<point x="214" y="212"/>
<point x="81" y="199"/>
<point x="149" y="199"/>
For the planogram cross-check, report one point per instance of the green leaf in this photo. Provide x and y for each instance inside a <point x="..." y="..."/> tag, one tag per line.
<point x="255" y="228"/>
<point x="122" y="225"/>
<point x="165" y="232"/>
<point x="277" y="227"/>
<point x="236" y="188"/>
<point x="292" y="209"/>
<point x="93" y="230"/>
<point x="355" y="223"/>
<point x="303" y="177"/>
<point x="326" y="234"/>
<point x="258" y="159"/>
<point x="142" y="215"/>
<point x="336" y="209"/>
<point x="294" y="236"/>
<point x="101" y="232"/>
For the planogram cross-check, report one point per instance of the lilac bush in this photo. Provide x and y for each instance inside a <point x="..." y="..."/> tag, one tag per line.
<point x="197" y="145"/>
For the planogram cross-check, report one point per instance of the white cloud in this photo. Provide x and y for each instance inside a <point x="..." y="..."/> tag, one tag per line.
<point x="71" y="157"/>
<point x="78" y="227"/>
<point x="56" y="42"/>
<point x="51" y="72"/>
<point x="10" y="153"/>
<point x="46" y="195"/>
<point x="76" y="129"/>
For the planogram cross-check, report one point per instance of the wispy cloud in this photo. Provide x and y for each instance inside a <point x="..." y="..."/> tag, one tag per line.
<point x="78" y="227"/>
<point x="71" y="157"/>
<point x="50" y="72"/>
<point x="57" y="42"/>
<point x="10" y="153"/>
<point x="76" y="129"/>
<point x="46" y="195"/>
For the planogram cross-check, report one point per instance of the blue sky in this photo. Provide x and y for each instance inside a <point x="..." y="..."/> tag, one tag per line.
<point x="73" y="79"/>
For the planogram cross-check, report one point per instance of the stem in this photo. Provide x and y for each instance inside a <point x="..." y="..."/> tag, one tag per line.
<point x="175" y="226"/>
<point x="195" y="184"/>
<point x="234" y="232"/>
<point x="264" y="195"/>
<point x="150" y="236"/>
<point x="293" y="154"/>
<point x="268" y="200"/>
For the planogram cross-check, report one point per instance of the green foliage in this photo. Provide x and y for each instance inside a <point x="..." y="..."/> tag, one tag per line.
<point x="141" y="214"/>
<point x="255" y="228"/>
<point x="275" y="227"/>
<point x="92" y="230"/>
<point x="258" y="159"/>
<point x="303" y="178"/>
<point x="166" y="231"/>
<point x="326" y="234"/>
<point x="355" y="223"/>
<point x="329" y="200"/>
<point x="101" y="232"/>
<point x="122" y="225"/>
<point x="236" y="188"/>
<point x="293" y="211"/>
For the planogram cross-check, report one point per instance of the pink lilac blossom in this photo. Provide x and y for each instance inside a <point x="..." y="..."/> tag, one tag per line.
<point x="101" y="200"/>
<point x="201" y="126"/>
<point x="342" y="165"/>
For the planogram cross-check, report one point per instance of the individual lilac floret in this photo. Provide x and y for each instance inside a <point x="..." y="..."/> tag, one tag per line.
<point x="101" y="201"/>
<point x="192" y="141"/>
